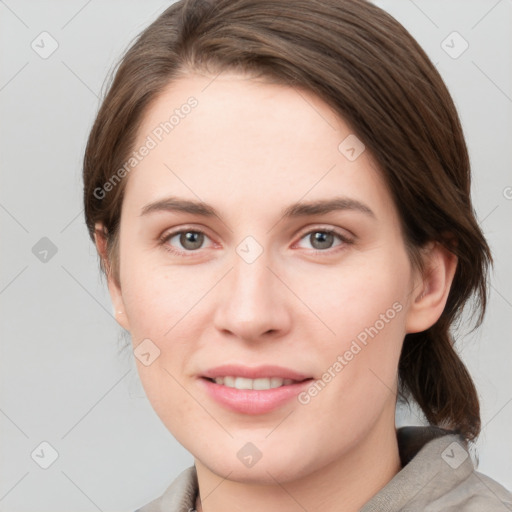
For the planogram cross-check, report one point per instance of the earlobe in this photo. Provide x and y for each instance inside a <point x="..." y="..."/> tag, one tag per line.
<point x="429" y="298"/>
<point x="117" y="303"/>
<point x="121" y="319"/>
<point x="114" y="288"/>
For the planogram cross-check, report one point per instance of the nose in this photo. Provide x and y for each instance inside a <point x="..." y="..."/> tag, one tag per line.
<point x="253" y="303"/>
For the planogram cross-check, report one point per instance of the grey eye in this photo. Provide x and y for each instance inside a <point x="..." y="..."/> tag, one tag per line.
<point x="321" y="239"/>
<point x="190" y="240"/>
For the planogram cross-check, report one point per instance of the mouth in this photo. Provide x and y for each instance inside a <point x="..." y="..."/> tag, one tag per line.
<point x="248" y="390"/>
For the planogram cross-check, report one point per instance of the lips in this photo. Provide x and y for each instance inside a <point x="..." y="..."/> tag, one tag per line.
<point x="253" y="390"/>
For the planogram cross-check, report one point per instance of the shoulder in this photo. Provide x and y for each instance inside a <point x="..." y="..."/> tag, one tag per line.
<point x="455" y="484"/>
<point x="180" y="496"/>
<point x="438" y="475"/>
<point x="475" y="493"/>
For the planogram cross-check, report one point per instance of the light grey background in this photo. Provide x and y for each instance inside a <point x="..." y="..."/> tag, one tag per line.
<point x="62" y="378"/>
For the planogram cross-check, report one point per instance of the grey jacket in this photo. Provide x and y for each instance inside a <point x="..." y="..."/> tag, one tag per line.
<point x="437" y="475"/>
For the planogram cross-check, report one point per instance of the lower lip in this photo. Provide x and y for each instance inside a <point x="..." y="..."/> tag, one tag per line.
<point x="253" y="401"/>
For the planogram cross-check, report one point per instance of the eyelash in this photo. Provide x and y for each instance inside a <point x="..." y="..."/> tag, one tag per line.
<point x="187" y="254"/>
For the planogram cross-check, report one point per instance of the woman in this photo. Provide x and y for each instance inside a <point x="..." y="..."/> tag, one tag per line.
<point x="280" y="196"/>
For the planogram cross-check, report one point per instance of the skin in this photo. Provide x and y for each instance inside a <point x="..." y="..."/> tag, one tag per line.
<point x="250" y="149"/>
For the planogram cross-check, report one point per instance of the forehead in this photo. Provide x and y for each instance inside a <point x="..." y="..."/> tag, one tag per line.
<point x="233" y="108"/>
<point x="238" y="138"/>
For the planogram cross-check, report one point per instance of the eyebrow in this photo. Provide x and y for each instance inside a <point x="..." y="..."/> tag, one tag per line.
<point x="299" y="209"/>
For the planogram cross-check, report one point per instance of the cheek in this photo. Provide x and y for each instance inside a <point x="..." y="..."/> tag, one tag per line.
<point x="157" y="297"/>
<point x="159" y="310"/>
<point x="364" y="307"/>
<point x="164" y="304"/>
<point x="354" y="297"/>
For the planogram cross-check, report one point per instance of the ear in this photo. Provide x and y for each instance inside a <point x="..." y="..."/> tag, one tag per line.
<point x="114" y="288"/>
<point x="431" y="289"/>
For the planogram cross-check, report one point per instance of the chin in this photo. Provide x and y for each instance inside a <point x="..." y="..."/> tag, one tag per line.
<point x="273" y="465"/>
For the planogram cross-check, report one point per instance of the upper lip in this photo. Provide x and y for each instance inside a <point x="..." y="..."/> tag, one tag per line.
<point x="254" y="372"/>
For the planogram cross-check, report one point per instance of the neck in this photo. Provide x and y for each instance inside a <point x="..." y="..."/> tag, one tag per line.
<point x="350" y="480"/>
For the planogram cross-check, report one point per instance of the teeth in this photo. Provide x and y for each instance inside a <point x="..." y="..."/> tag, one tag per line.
<point x="260" y="384"/>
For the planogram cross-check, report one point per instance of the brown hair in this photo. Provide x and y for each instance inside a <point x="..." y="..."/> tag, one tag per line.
<point x="371" y="71"/>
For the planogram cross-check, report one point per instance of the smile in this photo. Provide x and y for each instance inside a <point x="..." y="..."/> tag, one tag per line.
<point x="252" y="396"/>
<point x="258" y="384"/>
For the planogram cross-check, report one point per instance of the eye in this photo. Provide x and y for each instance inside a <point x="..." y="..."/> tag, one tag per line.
<point x="186" y="240"/>
<point x="191" y="240"/>
<point x="323" y="239"/>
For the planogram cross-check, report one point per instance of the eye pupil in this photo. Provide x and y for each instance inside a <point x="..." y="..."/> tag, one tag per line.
<point x="191" y="239"/>
<point x="322" y="238"/>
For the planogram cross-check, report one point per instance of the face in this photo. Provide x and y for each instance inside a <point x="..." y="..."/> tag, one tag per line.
<point x="294" y="268"/>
